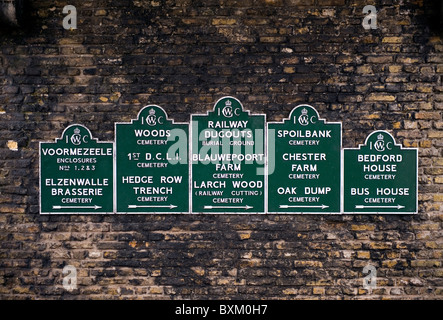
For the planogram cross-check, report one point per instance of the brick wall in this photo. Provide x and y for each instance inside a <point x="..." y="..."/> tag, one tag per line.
<point x="183" y="55"/>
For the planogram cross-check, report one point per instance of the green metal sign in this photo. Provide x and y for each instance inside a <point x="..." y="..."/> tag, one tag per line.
<point x="152" y="172"/>
<point x="304" y="166"/>
<point x="228" y="160"/>
<point x="76" y="174"/>
<point x="380" y="176"/>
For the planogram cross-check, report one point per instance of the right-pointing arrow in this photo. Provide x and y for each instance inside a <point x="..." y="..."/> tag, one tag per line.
<point x="360" y="206"/>
<point x="95" y="207"/>
<point x="228" y="207"/>
<point x="135" y="206"/>
<point x="286" y="206"/>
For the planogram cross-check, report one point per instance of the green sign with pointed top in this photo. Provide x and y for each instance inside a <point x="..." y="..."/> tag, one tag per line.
<point x="304" y="164"/>
<point x="228" y="160"/>
<point x="380" y="176"/>
<point x="76" y="173"/>
<point x="152" y="172"/>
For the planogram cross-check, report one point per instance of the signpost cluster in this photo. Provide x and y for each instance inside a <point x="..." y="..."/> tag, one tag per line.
<point x="226" y="161"/>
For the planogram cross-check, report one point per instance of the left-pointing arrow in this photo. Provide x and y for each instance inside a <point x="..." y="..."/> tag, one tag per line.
<point x="135" y="206"/>
<point x="76" y="207"/>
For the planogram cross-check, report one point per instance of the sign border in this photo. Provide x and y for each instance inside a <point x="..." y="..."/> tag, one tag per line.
<point x="40" y="172"/>
<point x="265" y="168"/>
<point x="401" y="148"/>
<point x="115" y="163"/>
<point x="341" y="163"/>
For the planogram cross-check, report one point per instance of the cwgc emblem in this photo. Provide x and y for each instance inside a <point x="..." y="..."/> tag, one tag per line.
<point x="151" y="119"/>
<point x="304" y="119"/>
<point x="227" y="110"/>
<point x="379" y="145"/>
<point x="76" y="138"/>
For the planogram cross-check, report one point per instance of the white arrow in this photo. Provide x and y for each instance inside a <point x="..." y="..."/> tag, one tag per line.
<point x="134" y="206"/>
<point x="379" y="207"/>
<point x="228" y="207"/>
<point x="285" y="206"/>
<point x="76" y="207"/>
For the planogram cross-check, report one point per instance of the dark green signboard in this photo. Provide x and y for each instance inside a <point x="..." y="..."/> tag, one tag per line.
<point x="228" y="160"/>
<point x="380" y="176"/>
<point x="304" y="164"/>
<point x="152" y="172"/>
<point x="76" y="173"/>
